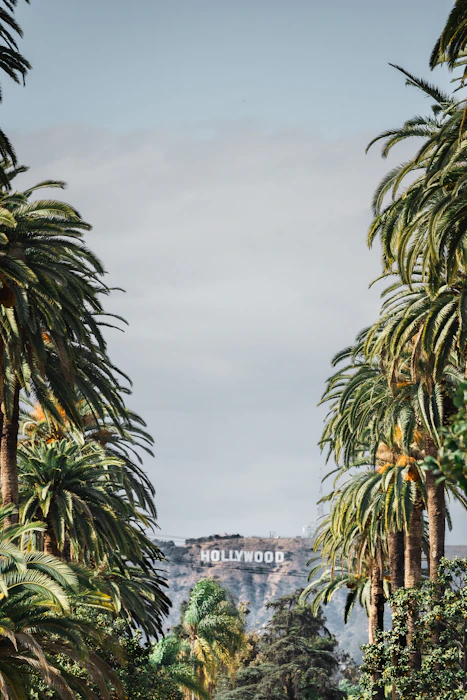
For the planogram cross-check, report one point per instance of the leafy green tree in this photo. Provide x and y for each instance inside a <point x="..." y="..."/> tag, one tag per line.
<point x="443" y="656"/>
<point x="296" y="658"/>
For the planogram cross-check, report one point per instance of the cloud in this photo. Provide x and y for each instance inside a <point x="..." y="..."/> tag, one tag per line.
<point x="242" y="250"/>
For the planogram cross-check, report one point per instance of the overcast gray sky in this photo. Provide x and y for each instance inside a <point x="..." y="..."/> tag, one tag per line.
<point x="217" y="147"/>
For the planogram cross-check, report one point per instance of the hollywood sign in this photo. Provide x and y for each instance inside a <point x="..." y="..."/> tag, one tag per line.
<point x="242" y="555"/>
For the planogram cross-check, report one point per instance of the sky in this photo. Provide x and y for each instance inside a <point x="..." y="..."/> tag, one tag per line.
<point x="218" y="149"/>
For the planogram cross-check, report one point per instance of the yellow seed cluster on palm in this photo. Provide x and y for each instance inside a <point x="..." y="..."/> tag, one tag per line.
<point x="405" y="461"/>
<point x="412" y="473"/>
<point x="37" y="413"/>
<point x="384" y="468"/>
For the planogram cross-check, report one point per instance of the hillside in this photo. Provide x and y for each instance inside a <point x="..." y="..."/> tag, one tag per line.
<point x="254" y="581"/>
<point x="236" y="562"/>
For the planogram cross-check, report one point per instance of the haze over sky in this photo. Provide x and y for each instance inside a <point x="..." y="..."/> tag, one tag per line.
<point x="217" y="147"/>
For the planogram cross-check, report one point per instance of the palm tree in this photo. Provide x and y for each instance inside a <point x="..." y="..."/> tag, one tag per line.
<point x="426" y="334"/>
<point x="171" y="657"/>
<point x="15" y="66"/>
<point x="354" y="541"/>
<point x="36" y="625"/>
<point x="372" y="420"/>
<point x="453" y="40"/>
<point x="423" y="232"/>
<point x="413" y="226"/>
<point x="76" y="490"/>
<point x="214" y="628"/>
<point x="50" y="338"/>
<point x="137" y="590"/>
<point x="123" y="442"/>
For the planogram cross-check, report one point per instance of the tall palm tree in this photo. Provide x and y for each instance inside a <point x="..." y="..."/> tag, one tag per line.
<point x="50" y="338"/>
<point x="423" y="233"/>
<point x="426" y="334"/>
<point x="214" y="629"/>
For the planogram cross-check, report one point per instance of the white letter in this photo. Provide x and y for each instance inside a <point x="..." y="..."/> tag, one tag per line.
<point x="204" y="555"/>
<point x="223" y="555"/>
<point x="268" y="557"/>
<point x="247" y="556"/>
<point x="231" y="557"/>
<point x="280" y="556"/>
<point x="238" y="555"/>
<point x="215" y="556"/>
<point x="258" y="557"/>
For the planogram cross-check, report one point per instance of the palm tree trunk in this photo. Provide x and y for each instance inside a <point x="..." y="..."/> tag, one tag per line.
<point x="50" y="543"/>
<point x="413" y="546"/>
<point x="396" y="568"/>
<point x="376" y="616"/>
<point x="396" y="559"/>
<point x="436" y="508"/>
<point x="413" y="567"/>
<point x="8" y="456"/>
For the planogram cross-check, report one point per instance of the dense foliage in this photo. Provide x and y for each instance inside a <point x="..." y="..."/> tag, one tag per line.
<point x="439" y="638"/>
<point x="294" y="658"/>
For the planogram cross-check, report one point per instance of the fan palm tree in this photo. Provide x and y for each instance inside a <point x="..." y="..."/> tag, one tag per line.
<point x="214" y="629"/>
<point x="171" y="656"/>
